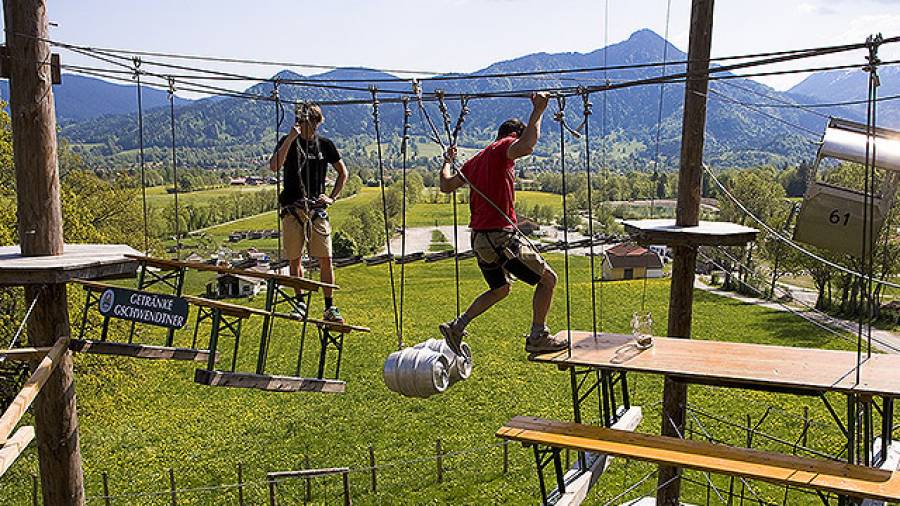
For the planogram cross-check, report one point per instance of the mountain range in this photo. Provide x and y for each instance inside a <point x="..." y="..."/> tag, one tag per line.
<point x="742" y="127"/>
<point x="80" y="98"/>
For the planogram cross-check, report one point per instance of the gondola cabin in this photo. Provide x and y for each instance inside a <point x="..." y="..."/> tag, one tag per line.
<point x="834" y="218"/>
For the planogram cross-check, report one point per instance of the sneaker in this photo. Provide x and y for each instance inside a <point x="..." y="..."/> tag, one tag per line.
<point x="543" y="342"/>
<point x="333" y="314"/>
<point x="453" y="334"/>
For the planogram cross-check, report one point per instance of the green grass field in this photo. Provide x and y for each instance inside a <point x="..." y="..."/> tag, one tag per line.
<point x="140" y="418"/>
<point x="422" y="214"/>
<point x="157" y="196"/>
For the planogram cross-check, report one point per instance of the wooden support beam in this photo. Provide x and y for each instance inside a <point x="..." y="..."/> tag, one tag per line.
<point x="268" y="382"/>
<point x="6" y="66"/>
<point x="25" y="354"/>
<point x="31" y="389"/>
<point x="687" y="214"/>
<point x="579" y="481"/>
<point x="14" y="447"/>
<point x="780" y="469"/>
<point x="140" y="350"/>
<point x="39" y="211"/>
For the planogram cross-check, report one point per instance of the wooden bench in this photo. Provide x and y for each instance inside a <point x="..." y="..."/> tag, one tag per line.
<point x="134" y="350"/>
<point x="281" y="279"/>
<point x="218" y="310"/>
<point x="825" y="476"/>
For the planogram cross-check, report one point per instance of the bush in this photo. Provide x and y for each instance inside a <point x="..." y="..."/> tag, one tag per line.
<point x="343" y="245"/>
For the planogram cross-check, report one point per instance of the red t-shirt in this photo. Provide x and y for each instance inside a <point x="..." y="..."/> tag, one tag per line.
<point x="492" y="173"/>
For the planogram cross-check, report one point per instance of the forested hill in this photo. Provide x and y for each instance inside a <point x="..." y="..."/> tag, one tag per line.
<point x="79" y="98"/>
<point x="737" y="135"/>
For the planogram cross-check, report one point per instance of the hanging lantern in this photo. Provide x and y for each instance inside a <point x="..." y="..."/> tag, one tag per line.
<point x="834" y="218"/>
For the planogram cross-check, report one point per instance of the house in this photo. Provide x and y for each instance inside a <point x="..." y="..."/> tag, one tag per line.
<point x="630" y="261"/>
<point x="195" y="258"/>
<point x="237" y="181"/>
<point x="234" y="286"/>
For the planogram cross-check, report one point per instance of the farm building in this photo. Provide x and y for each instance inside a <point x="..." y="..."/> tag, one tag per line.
<point x="630" y="261"/>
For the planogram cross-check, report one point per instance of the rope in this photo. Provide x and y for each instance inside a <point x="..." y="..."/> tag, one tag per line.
<point x="387" y="225"/>
<point x="403" y="148"/>
<point x="560" y="117"/>
<point x="868" y="236"/>
<point x="279" y="118"/>
<point x="15" y="339"/>
<point x="452" y="140"/>
<point x="659" y="112"/>
<point x="174" y="167"/>
<point x="587" y="111"/>
<point x="137" y="77"/>
<point x="435" y="75"/>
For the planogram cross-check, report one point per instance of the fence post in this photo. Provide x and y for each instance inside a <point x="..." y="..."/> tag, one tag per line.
<point x="240" y="471"/>
<point x="308" y="480"/>
<point x="372" y="466"/>
<point x="806" y="424"/>
<point x="440" y="463"/>
<point x="34" y="490"/>
<point x="505" y="456"/>
<point x="106" y="498"/>
<point x="172" y="487"/>
<point x="272" y="500"/>
<point x="345" y="478"/>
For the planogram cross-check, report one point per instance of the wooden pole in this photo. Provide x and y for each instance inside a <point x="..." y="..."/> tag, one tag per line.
<point x="240" y="471"/>
<point x="687" y="213"/>
<point x="505" y="456"/>
<point x="308" y="496"/>
<point x="172" y="493"/>
<point x="345" y="481"/>
<point x="374" y="469"/>
<point x="439" y="456"/>
<point x="106" y="499"/>
<point x="40" y="234"/>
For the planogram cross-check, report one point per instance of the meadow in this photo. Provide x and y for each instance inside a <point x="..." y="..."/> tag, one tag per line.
<point x="140" y="418"/>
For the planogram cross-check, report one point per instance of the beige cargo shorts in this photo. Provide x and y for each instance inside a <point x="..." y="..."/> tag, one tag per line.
<point x="502" y="254"/>
<point x="303" y="229"/>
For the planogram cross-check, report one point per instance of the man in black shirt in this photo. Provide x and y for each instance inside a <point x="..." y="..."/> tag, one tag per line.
<point x="305" y="157"/>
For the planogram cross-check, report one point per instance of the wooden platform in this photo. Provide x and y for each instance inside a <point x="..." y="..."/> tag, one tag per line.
<point x="734" y="364"/>
<point x="268" y="382"/>
<point x="827" y="476"/>
<point x="707" y="233"/>
<point x="87" y="261"/>
<point x="139" y="350"/>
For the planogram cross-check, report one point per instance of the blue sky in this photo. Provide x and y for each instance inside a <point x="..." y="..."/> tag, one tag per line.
<point x="451" y="35"/>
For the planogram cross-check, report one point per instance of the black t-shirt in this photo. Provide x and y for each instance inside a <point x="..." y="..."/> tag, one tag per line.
<point x="305" y="168"/>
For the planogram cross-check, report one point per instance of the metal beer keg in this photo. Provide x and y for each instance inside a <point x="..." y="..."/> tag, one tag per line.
<point x="417" y="372"/>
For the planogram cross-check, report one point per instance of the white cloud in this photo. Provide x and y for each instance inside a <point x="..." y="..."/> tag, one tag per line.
<point x="815" y="7"/>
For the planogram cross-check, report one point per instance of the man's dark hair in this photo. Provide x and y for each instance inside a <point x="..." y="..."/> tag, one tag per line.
<point x="509" y="127"/>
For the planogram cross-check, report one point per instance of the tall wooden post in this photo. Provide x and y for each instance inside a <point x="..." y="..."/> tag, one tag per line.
<point x="40" y="234"/>
<point x="687" y="213"/>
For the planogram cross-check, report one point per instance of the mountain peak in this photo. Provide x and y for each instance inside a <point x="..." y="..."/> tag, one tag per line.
<point x="645" y="36"/>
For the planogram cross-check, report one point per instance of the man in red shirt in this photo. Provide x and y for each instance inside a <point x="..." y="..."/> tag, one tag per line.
<point x="501" y="253"/>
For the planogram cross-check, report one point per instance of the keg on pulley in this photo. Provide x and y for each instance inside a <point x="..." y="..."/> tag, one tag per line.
<point x="426" y="369"/>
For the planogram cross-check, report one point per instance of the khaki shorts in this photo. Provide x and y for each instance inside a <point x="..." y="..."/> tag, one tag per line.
<point x="317" y="230"/>
<point x="502" y="254"/>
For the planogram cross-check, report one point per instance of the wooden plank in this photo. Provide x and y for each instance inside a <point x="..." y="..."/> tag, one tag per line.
<point x="746" y="364"/>
<point x="281" y="279"/>
<point x="87" y="261"/>
<point x="145" y="351"/>
<point x="15" y="446"/>
<point x="26" y="354"/>
<point x="268" y="382"/>
<point x="704" y="233"/>
<point x="828" y="476"/>
<point x="579" y="481"/>
<point x="343" y="328"/>
<point x="32" y="387"/>
<point x="226" y="307"/>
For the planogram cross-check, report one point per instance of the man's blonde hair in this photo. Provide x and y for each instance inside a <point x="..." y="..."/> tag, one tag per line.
<point x="307" y="111"/>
